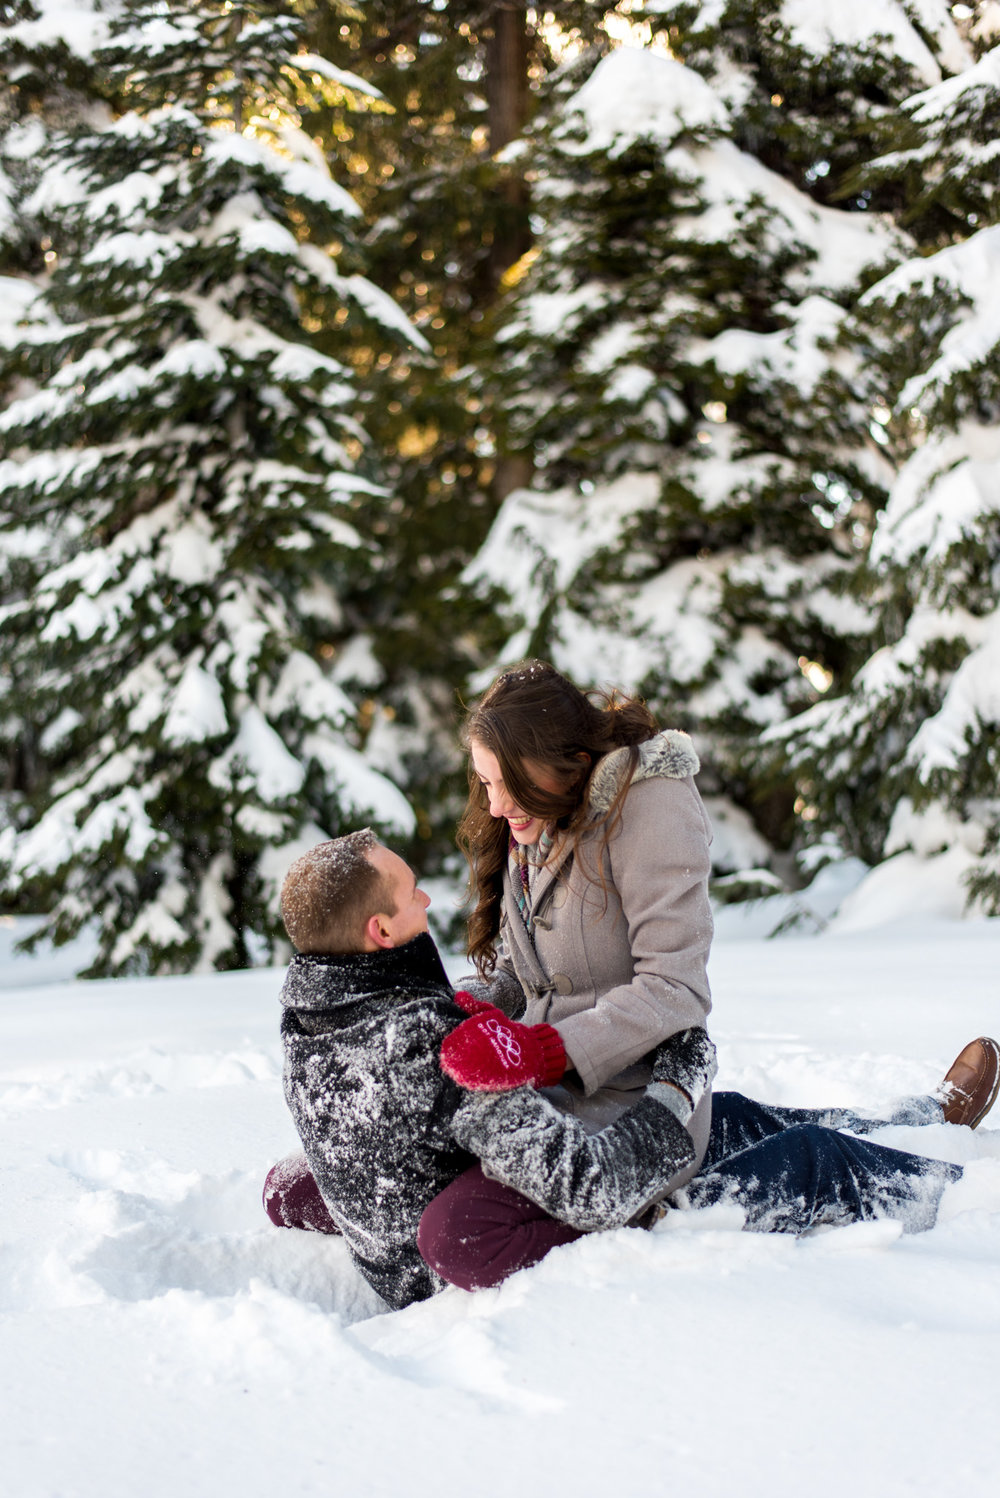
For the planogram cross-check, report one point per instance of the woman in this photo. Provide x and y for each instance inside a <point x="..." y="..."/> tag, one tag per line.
<point x="588" y="851"/>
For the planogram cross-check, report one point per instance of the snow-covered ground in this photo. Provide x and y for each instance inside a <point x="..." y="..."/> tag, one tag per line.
<point x="161" y="1338"/>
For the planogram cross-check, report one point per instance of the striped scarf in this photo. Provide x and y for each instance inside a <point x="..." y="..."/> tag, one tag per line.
<point x="524" y="860"/>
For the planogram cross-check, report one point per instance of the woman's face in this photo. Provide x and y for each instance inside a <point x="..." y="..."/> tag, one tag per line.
<point x="524" y="828"/>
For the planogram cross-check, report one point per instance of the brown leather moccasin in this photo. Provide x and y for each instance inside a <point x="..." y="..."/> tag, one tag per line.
<point x="971" y="1083"/>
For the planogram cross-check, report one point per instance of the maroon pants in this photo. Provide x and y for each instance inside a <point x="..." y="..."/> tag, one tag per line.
<point x="475" y="1232"/>
<point x="292" y="1199"/>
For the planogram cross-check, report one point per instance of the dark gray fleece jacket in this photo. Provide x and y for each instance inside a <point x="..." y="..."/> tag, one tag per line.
<point x="384" y="1130"/>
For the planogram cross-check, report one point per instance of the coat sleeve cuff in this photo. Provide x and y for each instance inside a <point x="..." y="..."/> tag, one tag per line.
<point x="552" y="1063"/>
<point x="672" y="1098"/>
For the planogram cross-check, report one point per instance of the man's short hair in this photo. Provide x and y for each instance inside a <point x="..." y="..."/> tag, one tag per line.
<point x="330" y="893"/>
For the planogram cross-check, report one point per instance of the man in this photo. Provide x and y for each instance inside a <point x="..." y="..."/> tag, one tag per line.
<point x="367" y="1005"/>
<point x="429" y="1183"/>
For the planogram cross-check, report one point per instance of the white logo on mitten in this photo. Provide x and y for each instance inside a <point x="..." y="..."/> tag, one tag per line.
<point x="504" y="1043"/>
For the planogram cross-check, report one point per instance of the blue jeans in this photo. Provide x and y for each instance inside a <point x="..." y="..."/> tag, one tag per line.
<point x="791" y="1170"/>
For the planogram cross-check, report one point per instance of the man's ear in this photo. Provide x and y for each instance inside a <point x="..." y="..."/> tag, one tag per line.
<point x="377" y="933"/>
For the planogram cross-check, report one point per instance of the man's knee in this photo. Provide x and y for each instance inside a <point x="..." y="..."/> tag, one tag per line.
<point x="280" y="1180"/>
<point x="433" y="1237"/>
<point x="447" y="1232"/>
<point x="293" y="1200"/>
<point x="477" y="1231"/>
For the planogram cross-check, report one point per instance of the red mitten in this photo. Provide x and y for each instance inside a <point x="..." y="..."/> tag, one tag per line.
<point x="471" y="1005"/>
<point x="491" y="1053"/>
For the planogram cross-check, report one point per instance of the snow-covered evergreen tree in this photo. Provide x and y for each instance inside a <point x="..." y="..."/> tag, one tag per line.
<point x="50" y="83"/>
<point x="702" y="457"/>
<point x="904" y="767"/>
<point x="185" y="493"/>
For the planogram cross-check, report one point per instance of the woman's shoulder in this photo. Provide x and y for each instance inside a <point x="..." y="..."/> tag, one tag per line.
<point x="669" y="755"/>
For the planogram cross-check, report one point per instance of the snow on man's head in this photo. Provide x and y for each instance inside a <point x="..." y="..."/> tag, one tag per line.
<point x="330" y="892"/>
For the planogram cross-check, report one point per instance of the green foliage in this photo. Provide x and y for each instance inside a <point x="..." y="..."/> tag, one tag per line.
<point x="938" y="156"/>
<point x="704" y="476"/>
<point x="907" y="758"/>
<point x="655" y="380"/>
<point x="983" y="881"/>
<point x="447" y="217"/>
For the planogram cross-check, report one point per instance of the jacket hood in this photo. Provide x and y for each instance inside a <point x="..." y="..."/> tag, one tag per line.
<point x="670" y="755"/>
<point x="324" y="982"/>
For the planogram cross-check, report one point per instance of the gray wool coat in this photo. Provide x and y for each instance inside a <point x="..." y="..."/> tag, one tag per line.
<point x="616" y="955"/>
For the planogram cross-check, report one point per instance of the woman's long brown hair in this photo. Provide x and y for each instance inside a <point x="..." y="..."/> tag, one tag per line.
<point x="533" y="713"/>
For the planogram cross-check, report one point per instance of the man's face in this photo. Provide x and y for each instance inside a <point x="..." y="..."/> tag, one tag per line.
<point x="411" y="903"/>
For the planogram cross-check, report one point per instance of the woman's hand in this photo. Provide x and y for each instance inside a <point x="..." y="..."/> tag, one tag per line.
<point x="491" y="1053"/>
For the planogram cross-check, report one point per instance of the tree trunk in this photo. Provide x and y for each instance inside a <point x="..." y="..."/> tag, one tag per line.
<point x="508" y="96"/>
<point x="507" y="74"/>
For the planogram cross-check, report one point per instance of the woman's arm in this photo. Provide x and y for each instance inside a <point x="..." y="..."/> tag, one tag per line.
<point x="659" y="864"/>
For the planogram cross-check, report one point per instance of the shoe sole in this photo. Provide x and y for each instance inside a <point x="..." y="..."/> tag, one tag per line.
<point x="995" y="1052"/>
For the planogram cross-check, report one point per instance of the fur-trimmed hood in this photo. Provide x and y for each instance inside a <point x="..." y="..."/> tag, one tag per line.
<point x="670" y="755"/>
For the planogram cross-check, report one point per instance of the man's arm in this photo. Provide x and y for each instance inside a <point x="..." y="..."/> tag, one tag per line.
<point x="684" y="1068"/>
<point x="590" y="1181"/>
